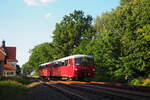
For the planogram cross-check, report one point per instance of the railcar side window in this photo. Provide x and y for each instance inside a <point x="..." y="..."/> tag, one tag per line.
<point x="78" y="61"/>
<point x="66" y="63"/>
<point x="63" y="63"/>
<point x="55" y="64"/>
<point x="90" y="61"/>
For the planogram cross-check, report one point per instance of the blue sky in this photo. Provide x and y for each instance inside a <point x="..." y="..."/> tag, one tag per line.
<point x="27" y="23"/>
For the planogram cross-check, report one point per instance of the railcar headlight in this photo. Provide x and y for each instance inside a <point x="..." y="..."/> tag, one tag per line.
<point x="93" y="69"/>
<point x="76" y="69"/>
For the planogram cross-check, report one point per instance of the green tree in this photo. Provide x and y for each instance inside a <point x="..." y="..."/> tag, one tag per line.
<point x="106" y="47"/>
<point x="71" y="31"/>
<point x="134" y="20"/>
<point x="124" y="39"/>
<point x="124" y="2"/>
<point x="41" y="54"/>
<point x="27" y="68"/>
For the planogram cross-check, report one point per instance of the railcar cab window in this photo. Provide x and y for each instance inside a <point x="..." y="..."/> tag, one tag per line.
<point x="84" y="61"/>
<point x="66" y="63"/>
<point x="61" y="63"/>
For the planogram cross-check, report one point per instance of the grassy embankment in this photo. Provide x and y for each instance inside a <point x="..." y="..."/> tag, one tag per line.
<point x="13" y="88"/>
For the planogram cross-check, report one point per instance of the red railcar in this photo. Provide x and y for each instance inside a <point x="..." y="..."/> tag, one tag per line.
<point x="71" y="67"/>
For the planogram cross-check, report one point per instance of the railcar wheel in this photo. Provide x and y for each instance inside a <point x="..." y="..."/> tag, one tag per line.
<point x="76" y="78"/>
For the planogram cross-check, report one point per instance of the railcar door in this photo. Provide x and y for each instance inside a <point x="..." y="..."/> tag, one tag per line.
<point x="64" y="71"/>
<point x="70" y="68"/>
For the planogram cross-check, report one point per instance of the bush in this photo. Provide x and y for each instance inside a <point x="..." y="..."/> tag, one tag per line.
<point x="146" y="82"/>
<point x="12" y="90"/>
<point x="140" y="82"/>
<point x="136" y="82"/>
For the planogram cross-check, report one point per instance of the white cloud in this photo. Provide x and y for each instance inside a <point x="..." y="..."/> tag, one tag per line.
<point x="47" y="1"/>
<point x="49" y="15"/>
<point x="31" y="2"/>
<point x="37" y="2"/>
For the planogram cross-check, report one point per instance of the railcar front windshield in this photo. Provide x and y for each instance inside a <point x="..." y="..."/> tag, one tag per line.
<point x="85" y="61"/>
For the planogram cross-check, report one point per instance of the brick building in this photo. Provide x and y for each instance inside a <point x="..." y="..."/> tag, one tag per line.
<point x="8" y="60"/>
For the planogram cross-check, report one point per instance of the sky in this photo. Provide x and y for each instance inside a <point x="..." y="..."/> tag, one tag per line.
<point x="27" y="23"/>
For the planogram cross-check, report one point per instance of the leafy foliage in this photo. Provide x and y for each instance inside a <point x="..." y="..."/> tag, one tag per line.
<point x="74" y="29"/>
<point x="140" y="81"/>
<point x="124" y="2"/>
<point x="41" y="54"/>
<point x="27" y="68"/>
<point x="125" y="34"/>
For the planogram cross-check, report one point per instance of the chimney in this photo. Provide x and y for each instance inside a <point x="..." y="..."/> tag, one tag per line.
<point x="4" y="48"/>
<point x="3" y="44"/>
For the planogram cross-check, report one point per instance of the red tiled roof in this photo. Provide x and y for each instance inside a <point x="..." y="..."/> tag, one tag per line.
<point x="10" y="53"/>
<point x="9" y="67"/>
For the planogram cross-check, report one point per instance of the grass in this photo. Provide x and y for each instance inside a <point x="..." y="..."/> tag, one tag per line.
<point x="23" y="80"/>
<point x="12" y="90"/>
<point x="140" y="82"/>
<point x="146" y="82"/>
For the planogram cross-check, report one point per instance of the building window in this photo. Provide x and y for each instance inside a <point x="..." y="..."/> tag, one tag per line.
<point x="12" y="73"/>
<point x="3" y="73"/>
<point x="1" y="63"/>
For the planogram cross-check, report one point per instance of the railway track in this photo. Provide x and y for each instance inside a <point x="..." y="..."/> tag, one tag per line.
<point x="94" y="92"/>
<point x="89" y="91"/>
<point x="71" y="95"/>
<point x="112" y="93"/>
<point x="76" y="93"/>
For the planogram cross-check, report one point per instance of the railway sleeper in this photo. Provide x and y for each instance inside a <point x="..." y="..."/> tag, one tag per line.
<point x="93" y="92"/>
<point x="69" y="94"/>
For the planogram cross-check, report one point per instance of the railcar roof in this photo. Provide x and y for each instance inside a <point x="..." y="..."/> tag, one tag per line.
<point x="65" y="58"/>
<point x="73" y="56"/>
<point x="46" y="63"/>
